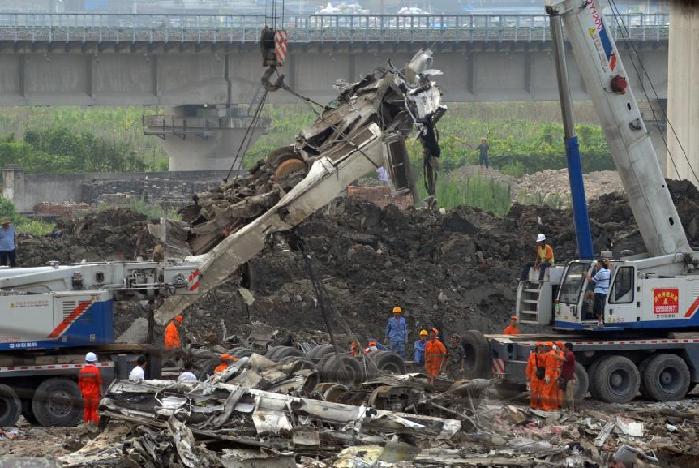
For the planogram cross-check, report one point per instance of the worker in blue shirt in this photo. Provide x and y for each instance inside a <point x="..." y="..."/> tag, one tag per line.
<point x="8" y="243"/>
<point x="397" y="332"/>
<point x="601" y="280"/>
<point x="419" y="348"/>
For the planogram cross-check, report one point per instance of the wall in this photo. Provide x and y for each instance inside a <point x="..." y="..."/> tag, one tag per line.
<point x="26" y="190"/>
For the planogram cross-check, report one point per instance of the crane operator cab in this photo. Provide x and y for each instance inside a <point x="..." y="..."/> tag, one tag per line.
<point x="642" y="293"/>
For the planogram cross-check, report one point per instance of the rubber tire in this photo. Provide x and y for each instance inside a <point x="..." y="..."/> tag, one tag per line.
<point x="341" y="368"/>
<point x="389" y="362"/>
<point x="280" y="155"/>
<point x="45" y="391"/>
<point x="653" y="370"/>
<point x="582" y="383"/>
<point x="270" y="351"/>
<point x="10" y="406"/>
<point x="591" y="370"/>
<point x="606" y="367"/>
<point x="477" y="355"/>
<point x="241" y="352"/>
<point x="320" y="351"/>
<point x="28" y="413"/>
<point x="285" y="351"/>
<point x="642" y="369"/>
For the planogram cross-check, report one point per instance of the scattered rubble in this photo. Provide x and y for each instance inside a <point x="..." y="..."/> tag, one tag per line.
<point x="553" y="188"/>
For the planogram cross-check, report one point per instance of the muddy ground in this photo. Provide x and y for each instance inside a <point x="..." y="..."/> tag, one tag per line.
<point x="456" y="270"/>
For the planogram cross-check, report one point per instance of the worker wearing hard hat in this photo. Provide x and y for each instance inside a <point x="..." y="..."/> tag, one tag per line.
<point x="513" y="327"/>
<point x="435" y="355"/>
<point x="397" y="332"/>
<point x="90" y="384"/>
<point x="550" y="398"/>
<point x="373" y="345"/>
<point x="536" y="372"/>
<point x="172" y="333"/>
<point x="419" y="348"/>
<point x="226" y="361"/>
<point x="544" y="259"/>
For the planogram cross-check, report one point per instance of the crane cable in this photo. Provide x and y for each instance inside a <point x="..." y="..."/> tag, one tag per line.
<point x="644" y="73"/>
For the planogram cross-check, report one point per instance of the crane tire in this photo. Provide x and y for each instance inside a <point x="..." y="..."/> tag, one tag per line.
<point x="666" y="377"/>
<point x="342" y="369"/>
<point x="10" y="406"/>
<point x="476" y="355"/>
<point x="616" y="379"/>
<point x="388" y="361"/>
<point x="57" y="402"/>
<point x="582" y="383"/>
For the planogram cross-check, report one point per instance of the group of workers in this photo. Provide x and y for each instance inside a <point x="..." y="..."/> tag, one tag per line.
<point x="551" y="375"/>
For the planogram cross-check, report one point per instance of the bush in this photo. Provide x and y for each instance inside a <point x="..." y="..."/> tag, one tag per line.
<point x="23" y="224"/>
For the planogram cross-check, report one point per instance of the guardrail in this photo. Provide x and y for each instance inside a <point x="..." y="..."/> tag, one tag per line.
<point x="19" y="27"/>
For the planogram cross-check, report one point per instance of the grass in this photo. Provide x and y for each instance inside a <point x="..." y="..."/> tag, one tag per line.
<point x="153" y="211"/>
<point x="34" y="227"/>
<point x="477" y="191"/>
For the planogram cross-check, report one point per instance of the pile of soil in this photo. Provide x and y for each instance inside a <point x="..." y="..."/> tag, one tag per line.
<point x="456" y="270"/>
<point x="553" y="188"/>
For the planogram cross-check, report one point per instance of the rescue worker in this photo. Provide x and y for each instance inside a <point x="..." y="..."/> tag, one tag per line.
<point x="397" y="332"/>
<point x="513" y="327"/>
<point x="456" y="358"/>
<point x="373" y="345"/>
<point x="550" y="390"/>
<point x="535" y="375"/>
<point x="435" y="355"/>
<point x="354" y="347"/>
<point x="601" y="279"/>
<point x="226" y="361"/>
<point x="544" y="259"/>
<point x="90" y="384"/>
<point x="172" y="333"/>
<point x="138" y="373"/>
<point x="419" y="348"/>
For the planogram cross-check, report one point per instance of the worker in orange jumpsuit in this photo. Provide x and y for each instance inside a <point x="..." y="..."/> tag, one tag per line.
<point x="226" y="361"/>
<point x="513" y="327"/>
<point x="172" y="333"/>
<point x="549" y="394"/>
<point x="90" y="383"/>
<point x="435" y="355"/>
<point x="354" y="348"/>
<point x="536" y="361"/>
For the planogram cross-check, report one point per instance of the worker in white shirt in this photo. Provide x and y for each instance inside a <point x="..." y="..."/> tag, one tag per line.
<point x="137" y="374"/>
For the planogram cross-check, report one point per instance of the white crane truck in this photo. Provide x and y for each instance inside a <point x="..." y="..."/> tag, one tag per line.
<point x="648" y="338"/>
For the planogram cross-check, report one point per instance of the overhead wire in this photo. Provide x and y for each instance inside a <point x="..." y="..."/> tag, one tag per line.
<point x="643" y="73"/>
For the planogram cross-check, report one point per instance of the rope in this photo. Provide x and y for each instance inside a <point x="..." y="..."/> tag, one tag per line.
<point x="247" y="137"/>
<point x="644" y="73"/>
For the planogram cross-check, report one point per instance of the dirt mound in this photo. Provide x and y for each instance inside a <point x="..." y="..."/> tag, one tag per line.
<point x="553" y="188"/>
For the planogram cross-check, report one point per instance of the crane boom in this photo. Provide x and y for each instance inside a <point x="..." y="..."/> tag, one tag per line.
<point x="630" y="145"/>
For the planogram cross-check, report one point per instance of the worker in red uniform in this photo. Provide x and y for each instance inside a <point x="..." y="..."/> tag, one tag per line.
<point x="535" y="375"/>
<point x="550" y="400"/>
<point x="435" y="355"/>
<point x="226" y="361"/>
<point x="513" y="327"/>
<point x="172" y="333"/>
<point x="90" y="383"/>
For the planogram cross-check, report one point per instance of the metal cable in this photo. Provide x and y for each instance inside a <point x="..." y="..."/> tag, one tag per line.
<point x="247" y="137"/>
<point x="629" y="46"/>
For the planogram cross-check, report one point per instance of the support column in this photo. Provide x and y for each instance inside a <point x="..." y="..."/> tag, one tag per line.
<point x="683" y="91"/>
<point x="203" y="138"/>
<point x="13" y="185"/>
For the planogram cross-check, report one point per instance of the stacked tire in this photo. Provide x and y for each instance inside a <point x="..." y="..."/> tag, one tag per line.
<point x="341" y="368"/>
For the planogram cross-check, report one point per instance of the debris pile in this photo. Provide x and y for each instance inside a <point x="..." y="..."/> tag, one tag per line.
<point x="552" y="187"/>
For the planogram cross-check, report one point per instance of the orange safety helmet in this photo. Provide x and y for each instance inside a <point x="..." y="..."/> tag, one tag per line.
<point x="397" y="310"/>
<point x="179" y="318"/>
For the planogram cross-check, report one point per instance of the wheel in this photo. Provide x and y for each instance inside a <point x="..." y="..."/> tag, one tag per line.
<point x="642" y="370"/>
<point x="319" y="351"/>
<point x="616" y="379"/>
<point x="241" y="352"/>
<point x="279" y="155"/>
<point x="285" y="351"/>
<point x="666" y="377"/>
<point x="57" y="402"/>
<point x="341" y="368"/>
<point x="476" y="355"/>
<point x="591" y="370"/>
<point x="28" y="413"/>
<point x="10" y="406"/>
<point x="270" y="351"/>
<point x="290" y="166"/>
<point x="388" y="361"/>
<point x="582" y="383"/>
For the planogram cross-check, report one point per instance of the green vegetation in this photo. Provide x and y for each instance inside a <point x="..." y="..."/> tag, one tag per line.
<point x="153" y="211"/>
<point x="75" y="139"/>
<point x="477" y="191"/>
<point x="23" y="224"/>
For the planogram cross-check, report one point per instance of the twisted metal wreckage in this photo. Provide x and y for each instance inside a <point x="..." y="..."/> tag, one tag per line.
<point x="364" y="129"/>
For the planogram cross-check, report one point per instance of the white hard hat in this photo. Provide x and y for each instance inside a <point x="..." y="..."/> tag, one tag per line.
<point x="540" y="238"/>
<point x="90" y="357"/>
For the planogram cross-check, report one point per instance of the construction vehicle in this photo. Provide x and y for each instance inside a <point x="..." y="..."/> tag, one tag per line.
<point x="53" y="315"/>
<point x="646" y="340"/>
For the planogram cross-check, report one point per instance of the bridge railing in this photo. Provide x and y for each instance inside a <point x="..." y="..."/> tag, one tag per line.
<point x="20" y="27"/>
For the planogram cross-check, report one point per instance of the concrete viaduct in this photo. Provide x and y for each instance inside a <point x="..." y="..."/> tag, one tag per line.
<point x="208" y="67"/>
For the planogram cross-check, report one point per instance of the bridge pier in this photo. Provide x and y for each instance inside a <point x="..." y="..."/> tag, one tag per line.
<point x="683" y="92"/>
<point x="200" y="138"/>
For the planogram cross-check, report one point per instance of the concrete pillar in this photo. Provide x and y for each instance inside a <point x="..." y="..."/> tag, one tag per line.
<point x="200" y="138"/>
<point x="683" y="91"/>
<point x="13" y="184"/>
